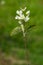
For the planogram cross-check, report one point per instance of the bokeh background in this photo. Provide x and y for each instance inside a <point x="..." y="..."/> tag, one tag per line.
<point x="35" y="35"/>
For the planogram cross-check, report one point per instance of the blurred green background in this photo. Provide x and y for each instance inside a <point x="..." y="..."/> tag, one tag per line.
<point x="35" y="35"/>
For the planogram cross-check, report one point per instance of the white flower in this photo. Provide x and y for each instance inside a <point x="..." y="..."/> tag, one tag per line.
<point x="17" y="17"/>
<point x="19" y="12"/>
<point x="21" y="16"/>
<point x="20" y="22"/>
<point x="26" y="18"/>
<point x="28" y="12"/>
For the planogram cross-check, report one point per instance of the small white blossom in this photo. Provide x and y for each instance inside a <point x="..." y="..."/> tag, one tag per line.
<point x="26" y="18"/>
<point x="19" y="12"/>
<point x="17" y="17"/>
<point x="21" y="16"/>
<point x="20" y="22"/>
<point x="28" y="12"/>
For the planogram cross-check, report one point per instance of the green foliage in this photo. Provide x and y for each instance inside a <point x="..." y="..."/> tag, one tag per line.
<point x="15" y="31"/>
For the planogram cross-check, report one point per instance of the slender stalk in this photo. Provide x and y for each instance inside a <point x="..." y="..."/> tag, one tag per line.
<point x="26" y="49"/>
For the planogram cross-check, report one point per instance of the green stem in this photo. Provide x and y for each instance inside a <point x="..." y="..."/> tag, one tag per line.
<point x="26" y="49"/>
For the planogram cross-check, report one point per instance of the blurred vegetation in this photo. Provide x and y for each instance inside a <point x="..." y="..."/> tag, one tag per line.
<point x="35" y="35"/>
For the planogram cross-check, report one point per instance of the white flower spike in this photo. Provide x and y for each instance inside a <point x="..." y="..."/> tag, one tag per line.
<point x="21" y="16"/>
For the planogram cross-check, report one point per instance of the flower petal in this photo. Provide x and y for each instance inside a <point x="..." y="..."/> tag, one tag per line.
<point x="20" y="22"/>
<point x="27" y="12"/>
<point x="27" y="18"/>
<point x="17" y="17"/>
<point x="18" y="12"/>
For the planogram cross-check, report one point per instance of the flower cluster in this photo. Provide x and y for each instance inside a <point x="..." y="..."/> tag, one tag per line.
<point x="21" y="16"/>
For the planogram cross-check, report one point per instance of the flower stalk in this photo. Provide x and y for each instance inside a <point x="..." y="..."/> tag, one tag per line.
<point x="23" y="17"/>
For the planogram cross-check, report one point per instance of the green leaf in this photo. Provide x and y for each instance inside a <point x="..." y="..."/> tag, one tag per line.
<point x="15" y="31"/>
